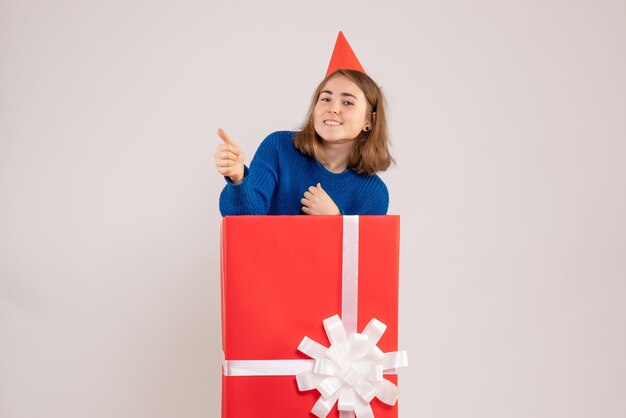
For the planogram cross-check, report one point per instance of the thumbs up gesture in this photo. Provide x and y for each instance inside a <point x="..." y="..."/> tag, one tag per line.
<point x="229" y="158"/>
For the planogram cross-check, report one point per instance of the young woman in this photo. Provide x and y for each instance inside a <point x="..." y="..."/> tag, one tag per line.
<point x="327" y="168"/>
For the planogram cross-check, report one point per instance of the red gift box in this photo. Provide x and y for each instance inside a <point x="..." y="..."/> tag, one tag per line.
<point x="281" y="277"/>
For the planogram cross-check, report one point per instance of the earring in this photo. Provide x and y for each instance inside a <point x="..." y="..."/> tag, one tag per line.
<point x="366" y="129"/>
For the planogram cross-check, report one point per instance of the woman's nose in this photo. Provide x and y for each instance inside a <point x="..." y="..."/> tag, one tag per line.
<point x="334" y="107"/>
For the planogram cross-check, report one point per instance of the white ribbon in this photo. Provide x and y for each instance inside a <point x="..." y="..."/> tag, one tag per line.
<point x="266" y="367"/>
<point x="350" y="371"/>
<point x="350" y="273"/>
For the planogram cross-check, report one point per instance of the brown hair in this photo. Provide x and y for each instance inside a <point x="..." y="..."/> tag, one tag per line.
<point x="370" y="151"/>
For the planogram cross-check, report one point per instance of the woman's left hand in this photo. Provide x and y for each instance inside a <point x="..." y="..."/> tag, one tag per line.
<point x="317" y="202"/>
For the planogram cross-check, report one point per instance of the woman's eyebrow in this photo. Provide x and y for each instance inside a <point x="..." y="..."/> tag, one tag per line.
<point x="343" y="94"/>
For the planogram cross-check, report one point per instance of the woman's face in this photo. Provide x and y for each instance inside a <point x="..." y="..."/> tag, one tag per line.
<point x="341" y="111"/>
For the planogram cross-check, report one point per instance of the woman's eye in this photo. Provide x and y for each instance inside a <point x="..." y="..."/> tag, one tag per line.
<point x="325" y="99"/>
<point x="348" y="103"/>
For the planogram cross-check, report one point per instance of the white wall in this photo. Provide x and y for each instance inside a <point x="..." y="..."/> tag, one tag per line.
<point x="508" y="121"/>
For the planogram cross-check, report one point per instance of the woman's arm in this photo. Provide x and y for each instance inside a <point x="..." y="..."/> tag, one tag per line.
<point x="253" y="194"/>
<point x="377" y="200"/>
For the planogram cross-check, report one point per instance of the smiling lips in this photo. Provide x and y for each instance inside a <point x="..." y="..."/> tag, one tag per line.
<point x="331" y="122"/>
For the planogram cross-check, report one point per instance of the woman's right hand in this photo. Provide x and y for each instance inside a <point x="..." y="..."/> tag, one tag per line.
<point x="229" y="159"/>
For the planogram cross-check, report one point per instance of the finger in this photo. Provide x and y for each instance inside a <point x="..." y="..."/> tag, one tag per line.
<point x="226" y="171"/>
<point x="228" y="147"/>
<point x="304" y="202"/>
<point x="226" y="138"/>
<point x="224" y="163"/>
<point x="319" y="186"/>
<point x="231" y="156"/>
<point x="312" y="189"/>
<point x="306" y="210"/>
<point x="308" y="195"/>
<point x="226" y="155"/>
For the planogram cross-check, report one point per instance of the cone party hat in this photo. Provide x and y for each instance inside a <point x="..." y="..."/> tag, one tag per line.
<point x="343" y="57"/>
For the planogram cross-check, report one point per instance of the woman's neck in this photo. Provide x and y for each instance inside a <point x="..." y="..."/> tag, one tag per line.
<point x="336" y="156"/>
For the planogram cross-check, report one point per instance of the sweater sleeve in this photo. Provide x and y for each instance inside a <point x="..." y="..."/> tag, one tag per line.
<point x="253" y="195"/>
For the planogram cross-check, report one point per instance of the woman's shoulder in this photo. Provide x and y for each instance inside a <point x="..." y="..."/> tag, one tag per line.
<point x="280" y="144"/>
<point x="280" y="138"/>
<point x="277" y="145"/>
<point x="374" y="183"/>
<point x="373" y="178"/>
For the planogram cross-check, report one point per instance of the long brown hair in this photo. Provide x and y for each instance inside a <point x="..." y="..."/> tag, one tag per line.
<point x="370" y="152"/>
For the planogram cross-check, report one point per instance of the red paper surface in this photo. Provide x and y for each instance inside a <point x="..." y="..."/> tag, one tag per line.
<point x="281" y="277"/>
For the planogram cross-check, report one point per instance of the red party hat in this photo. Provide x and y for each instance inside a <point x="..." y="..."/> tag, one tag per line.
<point x="343" y="57"/>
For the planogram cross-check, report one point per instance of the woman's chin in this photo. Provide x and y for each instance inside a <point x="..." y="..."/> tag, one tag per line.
<point x="337" y="140"/>
<point x="330" y="137"/>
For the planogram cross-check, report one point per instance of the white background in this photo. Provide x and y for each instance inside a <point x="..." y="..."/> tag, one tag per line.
<point x="508" y="123"/>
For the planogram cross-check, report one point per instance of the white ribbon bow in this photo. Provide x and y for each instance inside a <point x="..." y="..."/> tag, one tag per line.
<point x="350" y="371"/>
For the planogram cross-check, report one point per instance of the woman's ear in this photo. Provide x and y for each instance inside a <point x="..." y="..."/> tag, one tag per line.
<point x="368" y="126"/>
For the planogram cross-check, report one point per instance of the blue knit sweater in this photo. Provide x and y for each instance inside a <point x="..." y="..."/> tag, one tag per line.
<point x="279" y="175"/>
